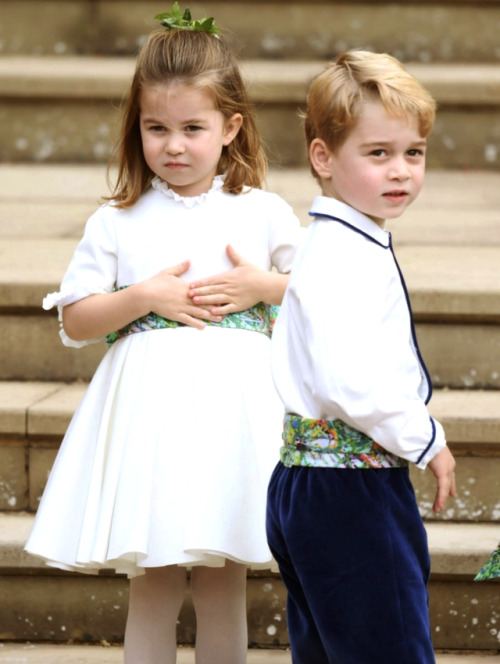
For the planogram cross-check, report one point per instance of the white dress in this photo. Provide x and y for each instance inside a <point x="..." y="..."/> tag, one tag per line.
<point x="167" y="459"/>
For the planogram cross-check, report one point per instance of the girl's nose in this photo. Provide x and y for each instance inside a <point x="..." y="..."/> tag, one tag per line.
<point x="174" y="144"/>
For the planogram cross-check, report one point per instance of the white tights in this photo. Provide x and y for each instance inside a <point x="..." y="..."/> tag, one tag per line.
<point x="219" y="598"/>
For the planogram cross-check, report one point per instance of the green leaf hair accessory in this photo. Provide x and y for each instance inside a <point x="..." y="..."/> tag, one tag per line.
<point x="176" y="20"/>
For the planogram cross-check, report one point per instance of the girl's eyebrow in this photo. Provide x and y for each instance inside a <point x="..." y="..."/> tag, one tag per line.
<point x="157" y="120"/>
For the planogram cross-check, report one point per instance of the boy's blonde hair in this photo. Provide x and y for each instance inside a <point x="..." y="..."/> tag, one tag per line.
<point x="206" y="62"/>
<point x="336" y="95"/>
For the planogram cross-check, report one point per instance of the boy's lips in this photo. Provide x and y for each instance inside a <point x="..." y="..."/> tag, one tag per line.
<point x="397" y="194"/>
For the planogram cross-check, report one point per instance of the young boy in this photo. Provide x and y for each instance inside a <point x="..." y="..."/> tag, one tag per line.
<point x="342" y="521"/>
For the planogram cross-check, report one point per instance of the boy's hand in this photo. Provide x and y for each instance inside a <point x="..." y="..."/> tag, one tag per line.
<point x="443" y="467"/>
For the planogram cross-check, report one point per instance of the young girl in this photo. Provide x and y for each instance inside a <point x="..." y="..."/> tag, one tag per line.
<point x="165" y="464"/>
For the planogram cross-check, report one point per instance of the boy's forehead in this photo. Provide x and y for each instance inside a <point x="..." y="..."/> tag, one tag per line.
<point x="375" y="120"/>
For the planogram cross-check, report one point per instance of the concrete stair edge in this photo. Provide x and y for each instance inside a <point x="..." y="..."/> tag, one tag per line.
<point x="457" y="549"/>
<point x="32" y="268"/>
<point x="97" y="654"/>
<point x="38" y="408"/>
<point x="443" y="227"/>
<point x="268" y="80"/>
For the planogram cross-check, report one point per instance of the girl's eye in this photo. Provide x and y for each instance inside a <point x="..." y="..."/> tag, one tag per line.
<point x="156" y="128"/>
<point x="192" y="128"/>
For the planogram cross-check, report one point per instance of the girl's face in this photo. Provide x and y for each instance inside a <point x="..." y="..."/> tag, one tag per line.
<point x="379" y="169"/>
<point x="183" y="136"/>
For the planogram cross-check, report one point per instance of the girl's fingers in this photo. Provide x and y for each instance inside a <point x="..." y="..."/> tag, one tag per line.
<point x="217" y="299"/>
<point x="177" y="270"/>
<point x="216" y="281"/>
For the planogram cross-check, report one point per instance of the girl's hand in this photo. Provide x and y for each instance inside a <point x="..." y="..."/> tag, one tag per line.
<point x="169" y="298"/>
<point x="443" y="467"/>
<point x="164" y="293"/>
<point x="238" y="289"/>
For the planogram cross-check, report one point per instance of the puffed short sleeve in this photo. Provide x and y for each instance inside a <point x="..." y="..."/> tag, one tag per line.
<point x="92" y="269"/>
<point x="284" y="234"/>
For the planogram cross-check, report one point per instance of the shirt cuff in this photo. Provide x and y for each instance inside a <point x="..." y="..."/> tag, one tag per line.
<point x="436" y="444"/>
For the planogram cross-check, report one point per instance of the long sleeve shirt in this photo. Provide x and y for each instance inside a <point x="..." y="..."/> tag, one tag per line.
<point x="344" y="345"/>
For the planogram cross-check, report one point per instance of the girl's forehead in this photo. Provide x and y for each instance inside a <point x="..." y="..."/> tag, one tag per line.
<point x="176" y="102"/>
<point x="177" y="90"/>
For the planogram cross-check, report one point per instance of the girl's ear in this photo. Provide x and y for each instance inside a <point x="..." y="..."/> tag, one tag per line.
<point x="232" y="127"/>
<point x="319" y="156"/>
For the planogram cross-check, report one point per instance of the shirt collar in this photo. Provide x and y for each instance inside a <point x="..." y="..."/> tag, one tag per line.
<point x="331" y="208"/>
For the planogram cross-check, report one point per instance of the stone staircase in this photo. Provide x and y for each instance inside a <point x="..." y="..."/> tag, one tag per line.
<point x="64" y="66"/>
<point x="72" y="60"/>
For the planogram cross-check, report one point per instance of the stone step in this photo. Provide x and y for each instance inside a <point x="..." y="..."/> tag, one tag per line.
<point x="40" y="604"/>
<point x="35" y="416"/>
<point x="113" y="654"/>
<point x="31" y="653"/>
<point x="457" y="311"/>
<point x="451" y="232"/>
<point x="66" y="109"/>
<point x="53" y="201"/>
<point x="424" y="31"/>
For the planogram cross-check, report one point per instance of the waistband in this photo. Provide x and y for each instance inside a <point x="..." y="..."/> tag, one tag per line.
<point x="331" y="444"/>
<point x="259" y="318"/>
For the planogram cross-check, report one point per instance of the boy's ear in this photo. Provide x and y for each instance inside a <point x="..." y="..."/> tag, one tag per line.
<point x="319" y="156"/>
<point x="232" y="127"/>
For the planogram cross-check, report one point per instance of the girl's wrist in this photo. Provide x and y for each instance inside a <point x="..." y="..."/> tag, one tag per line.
<point x="142" y="300"/>
<point x="273" y="287"/>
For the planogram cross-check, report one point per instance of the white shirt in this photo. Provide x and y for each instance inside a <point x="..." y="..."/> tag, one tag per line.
<point x="121" y="247"/>
<point x="344" y="344"/>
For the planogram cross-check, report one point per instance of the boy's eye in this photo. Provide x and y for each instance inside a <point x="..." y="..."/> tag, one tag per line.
<point x="379" y="152"/>
<point x="416" y="152"/>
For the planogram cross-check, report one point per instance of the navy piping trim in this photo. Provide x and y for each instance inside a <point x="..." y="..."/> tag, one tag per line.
<point x="408" y="304"/>
<point x="433" y="438"/>
<point x="353" y="228"/>
<point x="413" y="331"/>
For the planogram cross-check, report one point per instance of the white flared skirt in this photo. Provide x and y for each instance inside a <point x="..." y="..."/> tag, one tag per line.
<point x="167" y="459"/>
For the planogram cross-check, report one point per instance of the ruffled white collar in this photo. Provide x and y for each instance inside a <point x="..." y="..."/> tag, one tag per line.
<point x="188" y="201"/>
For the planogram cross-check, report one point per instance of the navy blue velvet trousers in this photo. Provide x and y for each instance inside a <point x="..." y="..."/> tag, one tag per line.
<point x="352" y="551"/>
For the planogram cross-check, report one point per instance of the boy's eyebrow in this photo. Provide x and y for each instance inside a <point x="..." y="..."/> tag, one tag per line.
<point x="367" y="144"/>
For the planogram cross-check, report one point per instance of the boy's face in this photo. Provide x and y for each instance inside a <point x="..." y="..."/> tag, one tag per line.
<point x="379" y="169"/>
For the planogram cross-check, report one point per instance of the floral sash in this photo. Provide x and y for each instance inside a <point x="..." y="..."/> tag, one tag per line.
<point x="259" y="318"/>
<point x="331" y="444"/>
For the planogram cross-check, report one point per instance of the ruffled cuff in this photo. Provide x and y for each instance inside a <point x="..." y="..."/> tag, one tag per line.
<point x="62" y="299"/>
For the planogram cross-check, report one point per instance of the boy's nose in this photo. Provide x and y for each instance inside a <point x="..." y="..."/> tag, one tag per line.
<point x="399" y="169"/>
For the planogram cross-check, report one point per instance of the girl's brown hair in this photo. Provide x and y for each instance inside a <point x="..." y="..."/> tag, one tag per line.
<point x="204" y="61"/>
<point x="336" y="96"/>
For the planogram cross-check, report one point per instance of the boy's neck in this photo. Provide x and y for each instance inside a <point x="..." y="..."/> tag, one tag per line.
<point x="379" y="222"/>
